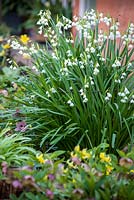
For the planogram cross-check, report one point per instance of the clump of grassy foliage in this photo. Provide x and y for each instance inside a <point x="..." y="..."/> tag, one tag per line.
<point x="79" y="90"/>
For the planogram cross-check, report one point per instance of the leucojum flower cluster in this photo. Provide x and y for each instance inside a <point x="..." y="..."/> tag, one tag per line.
<point x="93" y="46"/>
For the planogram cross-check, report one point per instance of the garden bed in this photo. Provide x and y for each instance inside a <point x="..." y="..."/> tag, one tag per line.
<point x="66" y="118"/>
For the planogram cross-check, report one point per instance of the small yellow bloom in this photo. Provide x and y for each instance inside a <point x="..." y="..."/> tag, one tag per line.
<point x="45" y="178"/>
<point x="2" y="53"/>
<point x="6" y="46"/>
<point x="77" y="148"/>
<point x="65" y="170"/>
<point x="24" y="39"/>
<point x="104" y="158"/>
<point x="73" y="181"/>
<point x="85" y="154"/>
<point x="108" y="169"/>
<point x="73" y="155"/>
<point x="40" y="158"/>
<point x="71" y="164"/>
<point x="131" y="171"/>
<point x="26" y="56"/>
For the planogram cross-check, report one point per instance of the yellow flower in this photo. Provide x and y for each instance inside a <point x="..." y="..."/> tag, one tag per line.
<point x="131" y="171"/>
<point x="40" y="158"/>
<point x="65" y="170"/>
<point x="73" y="180"/>
<point x="77" y="148"/>
<point x="2" y="53"/>
<point x="108" y="169"/>
<point x="104" y="158"/>
<point x="73" y="155"/>
<point x="45" y="178"/>
<point x="85" y="154"/>
<point x="6" y="46"/>
<point x="26" y="56"/>
<point x="71" y="164"/>
<point x="24" y="39"/>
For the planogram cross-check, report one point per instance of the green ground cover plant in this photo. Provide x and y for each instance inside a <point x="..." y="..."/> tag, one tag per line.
<point x="79" y="90"/>
<point x="85" y="174"/>
<point x="15" y="149"/>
